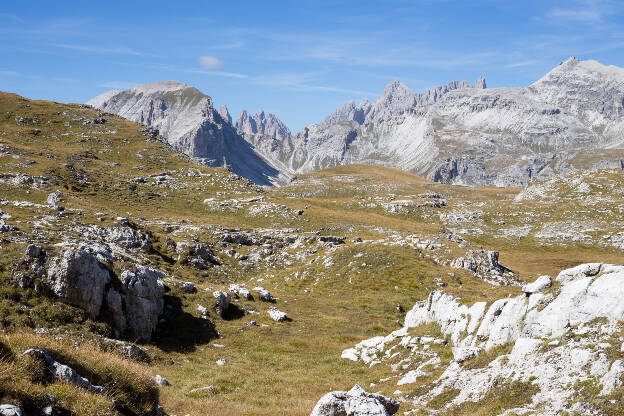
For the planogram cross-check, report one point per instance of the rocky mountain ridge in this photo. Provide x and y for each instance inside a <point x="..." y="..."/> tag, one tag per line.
<point x="188" y="120"/>
<point x="263" y="124"/>
<point x="456" y="134"/>
<point x="395" y="99"/>
<point x="476" y="136"/>
<point x="110" y="237"/>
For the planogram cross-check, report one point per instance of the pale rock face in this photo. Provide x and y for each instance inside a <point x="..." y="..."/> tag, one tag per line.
<point x="265" y="295"/>
<point x="240" y="290"/>
<point x="225" y="114"/>
<point x="78" y="278"/>
<point x="277" y="316"/>
<point x="355" y="402"/>
<point x="350" y="112"/>
<point x="263" y="124"/>
<point x="187" y="119"/>
<point x="484" y="264"/>
<point x="63" y="372"/>
<point x="394" y="100"/>
<point x="582" y="298"/>
<point x="538" y="285"/>
<point x="613" y="379"/>
<point x="161" y="381"/>
<point x="587" y="292"/>
<point x="10" y="410"/>
<point x="54" y="198"/>
<point x="222" y="301"/>
<point x="461" y="354"/>
<point x="136" y="308"/>
<point x="476" y="136"/>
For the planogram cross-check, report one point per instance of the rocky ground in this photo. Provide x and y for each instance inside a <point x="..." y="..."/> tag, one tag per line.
<point x="135" y="281"/>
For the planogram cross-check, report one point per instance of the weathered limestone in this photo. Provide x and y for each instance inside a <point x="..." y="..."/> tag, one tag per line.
<point x="136" y="307"/>
<point x="355" y="402"/>
<point x="222" y="302"/>
<point x="79" y="279"/>
<point x="63" y="372"/>
<point x="555" y="339"/>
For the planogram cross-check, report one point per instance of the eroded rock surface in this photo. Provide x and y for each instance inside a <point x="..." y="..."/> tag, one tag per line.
<point x="355" y="402"/>
<point x="78" y="278"/>
<point x="551" y="340"/>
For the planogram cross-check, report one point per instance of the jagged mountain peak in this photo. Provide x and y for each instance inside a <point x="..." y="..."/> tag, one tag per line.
<point x="585" y="88"/>
<point x="396" y="98"/>
<point x="188" y="120"/>
<point x="262" y="123"/>
<point x="480" y="83"/>
<point x="573" y="67"/>
<point x="225" y="113"/>
<point x="395" y="90"/>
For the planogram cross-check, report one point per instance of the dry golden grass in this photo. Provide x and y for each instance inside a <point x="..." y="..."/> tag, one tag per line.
<point x="21" y="381"/>
<point x="277" y="369"/>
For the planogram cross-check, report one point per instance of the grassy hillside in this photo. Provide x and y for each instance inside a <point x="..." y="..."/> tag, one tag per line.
<point x="336" y="294"/>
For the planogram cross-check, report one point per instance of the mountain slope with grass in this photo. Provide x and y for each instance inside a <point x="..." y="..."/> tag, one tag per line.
<point x="191" y="124"/>
<point x="117" y="248"/>
<point x="462" y="135"/>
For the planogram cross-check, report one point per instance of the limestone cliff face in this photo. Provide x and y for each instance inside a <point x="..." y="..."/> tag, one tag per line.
<point x="263" y="124"/>
<point x="458" y="133"/>
<point x="225" y="114"/>
<point x="396" y="99"/>
<point x="473" y="135"/>
<point x="188" y="120"/>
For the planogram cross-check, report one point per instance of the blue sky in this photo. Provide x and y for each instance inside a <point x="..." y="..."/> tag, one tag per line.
<point x="297" y="59"/>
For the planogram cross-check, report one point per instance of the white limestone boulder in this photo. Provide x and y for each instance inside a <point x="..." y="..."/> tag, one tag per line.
<point x="355" y="402"/>
<point x="541" y="283"/>
<point x="78" y="278"/>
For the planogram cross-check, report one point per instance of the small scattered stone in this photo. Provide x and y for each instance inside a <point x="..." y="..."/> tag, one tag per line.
<point x="161" y="381"/>
<point x="277" y="315"/>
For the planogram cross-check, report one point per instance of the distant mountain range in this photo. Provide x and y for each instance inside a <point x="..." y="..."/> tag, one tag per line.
<point x="458" y="133"/>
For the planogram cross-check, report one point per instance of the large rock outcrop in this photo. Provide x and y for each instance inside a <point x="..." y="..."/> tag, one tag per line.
<point x="553" y="339"/>
<point x="136" y="306"/>
<point x="484" y="264"/>
<point x="78" y="278"/>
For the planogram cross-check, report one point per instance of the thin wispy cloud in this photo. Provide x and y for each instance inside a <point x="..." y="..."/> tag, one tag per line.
<point x="584" y="11"/>
<point x="118" y="85"/>
<point x="8" y="73"/>
<point x="374" y="49"/>
<point x="303" y="82"/>
<point x="116" y="50"/>
<point x="10" y="16"/>
<point x="210" y="63"/>
<point x="226" y="74"/>
<point x="521" y="64"/>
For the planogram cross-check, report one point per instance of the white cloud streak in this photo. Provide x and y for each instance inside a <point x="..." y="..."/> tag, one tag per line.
<point x="118" y="85"/>
<point x="585" y="11"/>
<point x="116" y="50"/>
<point x="210" y="63"/>
<point x="303" y="82"/>
<point x="10" y="16"/>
